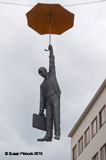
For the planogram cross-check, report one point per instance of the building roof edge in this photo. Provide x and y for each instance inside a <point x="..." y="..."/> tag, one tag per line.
<point x="89" y="106"/>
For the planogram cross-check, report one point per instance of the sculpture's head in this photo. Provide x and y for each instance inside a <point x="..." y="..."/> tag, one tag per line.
<point x="42" y="71"/>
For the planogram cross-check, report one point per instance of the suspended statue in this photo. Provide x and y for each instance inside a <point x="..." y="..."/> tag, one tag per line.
<point x="49" y="19"/>
<point x="50" y="99"/>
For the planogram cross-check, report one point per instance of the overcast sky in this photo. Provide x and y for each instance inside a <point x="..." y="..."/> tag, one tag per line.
<point x="81" y="68"/>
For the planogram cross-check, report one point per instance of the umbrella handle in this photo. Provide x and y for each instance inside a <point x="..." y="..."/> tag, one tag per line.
<point x="49" y="38"/>
<point x="46" y="50"/>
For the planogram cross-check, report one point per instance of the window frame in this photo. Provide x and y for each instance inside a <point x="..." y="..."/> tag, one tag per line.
<point x="85" y="142"/>
<point x="93" y="134"/>
<point x="101" y="150"/>
<point x="79" y="152"/>
<point x="95" y="156"/>
<point x="73" y="151"/>
<point x="100" y="123"/>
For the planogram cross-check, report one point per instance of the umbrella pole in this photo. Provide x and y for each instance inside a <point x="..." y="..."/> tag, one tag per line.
<point x="50" y="30"/>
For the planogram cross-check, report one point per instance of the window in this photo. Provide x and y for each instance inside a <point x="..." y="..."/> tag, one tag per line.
<point x="75" y="152"/>
<point x="87" y="136"/>
<point x="95" y="157"/>
<point x="80" y="145"/>
<point x="94" y="127"/>
<point x="102" y="116"/>
<point x="103" y="153"/>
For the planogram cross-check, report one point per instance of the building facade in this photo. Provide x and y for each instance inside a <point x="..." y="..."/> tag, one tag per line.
<point x="88" y="136"/>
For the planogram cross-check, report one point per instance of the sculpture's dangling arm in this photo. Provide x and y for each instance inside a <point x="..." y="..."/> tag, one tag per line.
<point x="42" y="103"/>
<point x="51" y="60"/>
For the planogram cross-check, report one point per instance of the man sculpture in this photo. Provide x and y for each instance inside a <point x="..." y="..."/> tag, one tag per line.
<point x="50" y="99"/>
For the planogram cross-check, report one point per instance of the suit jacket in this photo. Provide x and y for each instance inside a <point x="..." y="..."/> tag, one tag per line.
<point x="51" y="78"/>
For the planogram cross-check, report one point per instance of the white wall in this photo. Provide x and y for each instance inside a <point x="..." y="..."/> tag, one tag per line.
<point x="100" y="138"/>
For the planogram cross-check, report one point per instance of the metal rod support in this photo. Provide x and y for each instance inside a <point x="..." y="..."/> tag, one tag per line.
<point x="50" y="29"/>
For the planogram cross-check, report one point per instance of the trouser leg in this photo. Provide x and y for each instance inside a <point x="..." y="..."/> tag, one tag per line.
<point x="49" y="121"/>
<point x="56" y="115"/>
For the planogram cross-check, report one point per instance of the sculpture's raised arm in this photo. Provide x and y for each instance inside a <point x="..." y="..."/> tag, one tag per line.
<point x="51" y="60"/>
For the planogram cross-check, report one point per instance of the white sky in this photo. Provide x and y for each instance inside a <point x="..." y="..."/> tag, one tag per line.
<point x="81" y="68"/>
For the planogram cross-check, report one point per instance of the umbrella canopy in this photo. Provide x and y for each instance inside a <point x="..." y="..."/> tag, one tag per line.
<point x="50" y="19"/>
<point x="40" y="17"/>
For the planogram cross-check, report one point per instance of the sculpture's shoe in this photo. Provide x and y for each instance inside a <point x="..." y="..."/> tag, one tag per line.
<point x="45" y="139"/>
<point x="57" y="137"/>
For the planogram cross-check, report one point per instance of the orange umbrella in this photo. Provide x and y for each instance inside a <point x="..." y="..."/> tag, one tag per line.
<point x="50" y="19"/>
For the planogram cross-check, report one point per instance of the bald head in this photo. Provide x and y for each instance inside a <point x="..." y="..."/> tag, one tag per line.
<point x="42" y="71"/>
